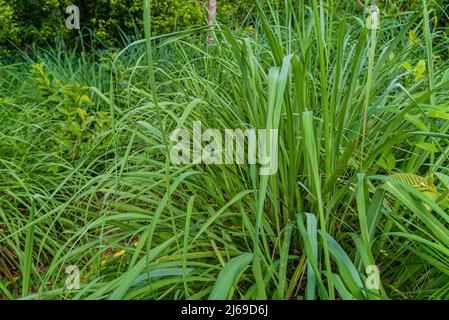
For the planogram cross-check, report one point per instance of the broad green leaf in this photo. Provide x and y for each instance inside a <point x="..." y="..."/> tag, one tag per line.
<point x="347" y="271"/>
<point x="407" y="66"/>
<point x="420" y="70"/>
<point x="430" y="147"/>
<point x="438" y="114"/>
<point x="228" y="276"/>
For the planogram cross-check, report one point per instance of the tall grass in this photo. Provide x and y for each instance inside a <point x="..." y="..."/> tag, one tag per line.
<point x="362" y="179"/>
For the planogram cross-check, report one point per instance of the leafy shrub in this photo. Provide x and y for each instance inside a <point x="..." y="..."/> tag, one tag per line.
<point x="8" y="27"/>
<point x="78" y="123"/>
<point x="40" y="20"/>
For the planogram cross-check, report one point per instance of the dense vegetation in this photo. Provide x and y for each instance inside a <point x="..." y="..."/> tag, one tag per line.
<point x="363" y="179"/>
<point x="36" y="22"/>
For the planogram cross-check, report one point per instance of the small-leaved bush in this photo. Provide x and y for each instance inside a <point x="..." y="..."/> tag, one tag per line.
<point x="27" y="22"/>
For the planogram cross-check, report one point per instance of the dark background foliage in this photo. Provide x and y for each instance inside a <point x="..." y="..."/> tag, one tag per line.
<point x="105" y="23"/>
<point x="26" y="22"/>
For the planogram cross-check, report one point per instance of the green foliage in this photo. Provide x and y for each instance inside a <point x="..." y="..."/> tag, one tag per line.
<point x="8" y="27"/>
<point x="87" y="178"/>
<point x="72" y="111"/>
<point x="34" y="21"/>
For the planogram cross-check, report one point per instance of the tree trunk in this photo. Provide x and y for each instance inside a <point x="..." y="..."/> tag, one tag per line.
<point x="212" y="11"/>
<point x="211" y="17"/>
